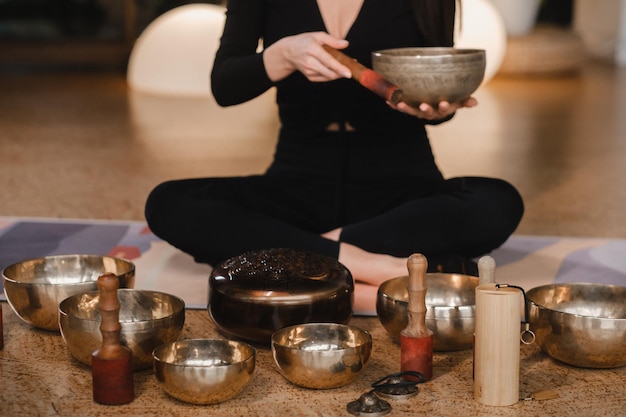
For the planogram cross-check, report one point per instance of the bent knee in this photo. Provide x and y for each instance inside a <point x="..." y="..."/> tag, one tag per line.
<point x="160" y="204"/>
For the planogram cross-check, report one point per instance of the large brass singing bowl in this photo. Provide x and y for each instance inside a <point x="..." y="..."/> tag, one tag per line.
<point x="580" y="324"/>
<point x="204" y="371"/>
<point x="35" y="287"/>
<point x="256" y="293"/>
<point x="450" y="308"/>
<point x="321" y="355"/>
<point x="147" y="318"/>
<point x="432" y="74"/>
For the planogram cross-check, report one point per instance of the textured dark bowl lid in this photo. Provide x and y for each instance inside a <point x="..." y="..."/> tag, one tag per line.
<point x="285" y="273"/>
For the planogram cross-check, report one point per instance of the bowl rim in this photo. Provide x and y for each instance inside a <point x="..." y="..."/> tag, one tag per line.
<point x="62" y="312"/>
<point x="5" y="277"/>
<point x="572" y="284"/>
<point x="381" y="294"/>
<point x="251" y="349"/>
<point x="366" y="334"/>
<point x="443" y="52"/>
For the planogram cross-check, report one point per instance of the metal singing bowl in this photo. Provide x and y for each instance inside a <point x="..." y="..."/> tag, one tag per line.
<point x="450" y="308"/>
<point x="580" y="324"/>
<point x="321" y="355"/>
<point x="432" y="74"/>
<point x="254" y="294"/>
<point x="148" y="319"/>
<point x="204" y="371"/>
<point x="35" y="287"/>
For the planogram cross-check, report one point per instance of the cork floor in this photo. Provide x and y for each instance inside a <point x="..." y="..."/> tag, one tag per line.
<point x="80" y="145"/>
<point x="40" y="378"/>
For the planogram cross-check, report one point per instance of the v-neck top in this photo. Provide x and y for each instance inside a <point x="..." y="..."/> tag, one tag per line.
<point x="307" y="108"/>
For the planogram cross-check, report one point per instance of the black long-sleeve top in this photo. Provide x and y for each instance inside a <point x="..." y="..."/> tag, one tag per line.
<point x="389" y="143"/>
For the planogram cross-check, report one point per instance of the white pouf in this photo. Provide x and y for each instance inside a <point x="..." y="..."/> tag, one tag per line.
<point x="481" y="26"/>
<point x="174" y="54"/>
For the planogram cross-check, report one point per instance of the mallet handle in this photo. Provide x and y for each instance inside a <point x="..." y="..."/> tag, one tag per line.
<point x="367" y="77"/>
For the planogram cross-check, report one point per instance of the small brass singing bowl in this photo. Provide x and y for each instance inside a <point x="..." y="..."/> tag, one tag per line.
<point x="321" y="355"/>
<point x="204" y="371"/>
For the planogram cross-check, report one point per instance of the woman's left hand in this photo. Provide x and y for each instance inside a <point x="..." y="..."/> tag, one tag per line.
<point x="428" y="112"/>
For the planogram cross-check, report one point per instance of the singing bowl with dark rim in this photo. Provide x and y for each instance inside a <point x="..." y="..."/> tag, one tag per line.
<point x="450" y="308"/>
<point x="35" y="287"/>
<point x="204" y="371"/>
<point x="581" y="324"/>
<point x="147" y="318"/>
<point x="321" y="355"/>
<point x="254" y="294"/>
<point x="432" y="74"/>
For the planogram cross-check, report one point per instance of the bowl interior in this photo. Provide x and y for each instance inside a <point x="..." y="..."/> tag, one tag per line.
<point x="443" y="290"/>
<point x="136" y="307"/>
<point x="582" y="299"/>
<point x="203" y="353"/>
<point x="315" y="337"/>
<point x="66" y="269"/>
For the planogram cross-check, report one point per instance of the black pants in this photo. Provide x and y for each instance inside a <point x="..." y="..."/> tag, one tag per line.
<point x="217" y="218"/>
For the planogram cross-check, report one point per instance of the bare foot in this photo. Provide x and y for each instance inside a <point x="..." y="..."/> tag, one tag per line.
<point x="364" y="299"/>
<point x="334" y="234"/>
<point x="368" y="270"/>
<point x="371" y="268"/>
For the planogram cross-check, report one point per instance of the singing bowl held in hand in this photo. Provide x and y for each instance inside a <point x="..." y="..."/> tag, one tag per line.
<point x="432" y="74"/>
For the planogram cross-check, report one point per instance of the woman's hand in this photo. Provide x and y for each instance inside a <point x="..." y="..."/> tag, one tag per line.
<point x="304" y="53"/>
<point x="428" y="112"/>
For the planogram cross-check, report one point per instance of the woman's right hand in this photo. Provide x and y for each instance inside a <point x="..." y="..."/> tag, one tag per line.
<point x="304" y="53"/>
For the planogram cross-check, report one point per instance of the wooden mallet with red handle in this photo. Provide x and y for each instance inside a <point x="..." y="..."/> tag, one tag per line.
<point x="367" y="77"/>
<point x="112" y="364"/>
<point x="416" y="340"/>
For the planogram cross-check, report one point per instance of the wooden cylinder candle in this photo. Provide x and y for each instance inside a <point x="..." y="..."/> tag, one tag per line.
<point x="497" y="345"/>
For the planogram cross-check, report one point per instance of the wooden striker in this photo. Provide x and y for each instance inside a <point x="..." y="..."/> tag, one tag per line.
<point x="112" y="364"/>
<point x="416" y="340"/>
